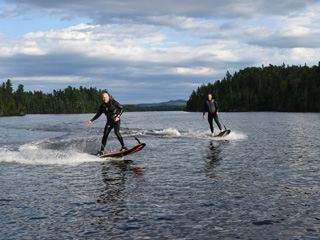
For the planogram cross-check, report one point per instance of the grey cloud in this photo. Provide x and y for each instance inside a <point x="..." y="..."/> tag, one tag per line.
<point x="8" y="12"/>
<point x="106" y="11"/>
<point x="306" y="41"/>
<point x="152" y="82"/>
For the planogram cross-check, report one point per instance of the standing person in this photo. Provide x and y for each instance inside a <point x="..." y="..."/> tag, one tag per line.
<point x="113" y="110"/>
<point x="212" y="108"/>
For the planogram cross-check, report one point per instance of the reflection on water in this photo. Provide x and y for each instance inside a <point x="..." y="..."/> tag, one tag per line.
<point x="120" y="177"/>
<point x="213" y="157"/>
<point x="114" y="176"/>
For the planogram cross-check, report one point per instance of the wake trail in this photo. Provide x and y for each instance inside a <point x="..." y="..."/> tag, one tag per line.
<point x="34" y="154"/>
<point x="234" y="135"/>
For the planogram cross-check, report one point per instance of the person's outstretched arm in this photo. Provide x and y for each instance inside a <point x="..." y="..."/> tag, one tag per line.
<point x="96" y="116"/>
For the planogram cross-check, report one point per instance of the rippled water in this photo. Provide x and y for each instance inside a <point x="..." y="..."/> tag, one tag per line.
<point x="260" y="182"/>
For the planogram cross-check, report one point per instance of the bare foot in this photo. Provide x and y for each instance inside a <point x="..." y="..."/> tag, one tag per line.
<point x="123" y="149"/>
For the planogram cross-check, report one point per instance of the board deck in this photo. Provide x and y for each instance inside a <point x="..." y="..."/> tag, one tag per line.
<point x="223" y="134"/>
<point x="125" y="152"/>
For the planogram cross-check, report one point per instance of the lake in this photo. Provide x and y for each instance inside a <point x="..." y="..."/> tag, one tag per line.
<point x="259" y="182"/>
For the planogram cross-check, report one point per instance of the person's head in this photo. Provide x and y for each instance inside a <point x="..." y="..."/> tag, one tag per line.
<point x="209" y="96"/>
<point x="105" y="97"/>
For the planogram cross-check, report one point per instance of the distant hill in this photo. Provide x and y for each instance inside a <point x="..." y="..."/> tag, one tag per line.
<point x="179" y="102"/>
<point x="173" y="105"/>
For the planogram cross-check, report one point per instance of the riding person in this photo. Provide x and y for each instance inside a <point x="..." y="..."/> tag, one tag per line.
<point x="113" y="110"/>
<point x="212" y="108"/>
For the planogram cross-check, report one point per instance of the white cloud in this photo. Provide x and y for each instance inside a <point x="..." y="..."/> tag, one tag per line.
<point x="159" y="46"/>
<point x="10" y="46"/>
<point x="195" y="71"/>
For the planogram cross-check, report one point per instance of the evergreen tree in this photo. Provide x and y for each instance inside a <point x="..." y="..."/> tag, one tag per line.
<point x="8" y="105"/>
<point x="20" y="100"/>
<point x="2" y="99"/>
<point x="272" y="88"/>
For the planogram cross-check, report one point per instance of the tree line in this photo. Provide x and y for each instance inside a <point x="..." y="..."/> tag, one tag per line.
<point x="272" y="88"/>
<point x="69" y="100"/>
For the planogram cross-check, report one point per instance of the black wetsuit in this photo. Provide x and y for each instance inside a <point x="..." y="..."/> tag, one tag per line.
<point x="212" y="108"/>
<point x="112" y="109"/>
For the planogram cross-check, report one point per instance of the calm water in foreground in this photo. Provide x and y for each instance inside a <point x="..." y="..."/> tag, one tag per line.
<point x="260" y="182"/>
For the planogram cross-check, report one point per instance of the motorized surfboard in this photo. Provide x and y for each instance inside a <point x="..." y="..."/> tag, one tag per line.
<point x="223" y="133"/>
<point x="124" y="152"/>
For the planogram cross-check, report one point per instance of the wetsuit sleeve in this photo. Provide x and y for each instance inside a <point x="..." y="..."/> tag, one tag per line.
<point x="98" y="113"/>
<point x="216" y="105"/>
<point x="119" y="107"/>
<point x="204" y="108"/>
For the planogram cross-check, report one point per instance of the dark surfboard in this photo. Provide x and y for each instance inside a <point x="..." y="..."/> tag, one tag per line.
<point x="125" y="152"/>
<point x="223" y="133"/>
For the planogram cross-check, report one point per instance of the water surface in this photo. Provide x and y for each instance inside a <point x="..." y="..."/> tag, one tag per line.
<point x="260" y="182"/>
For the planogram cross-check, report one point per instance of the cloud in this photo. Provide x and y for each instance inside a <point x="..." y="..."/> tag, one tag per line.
<point x="298" y="30"/>
<point x="138" y="49"/>
<point x="145" y="11"/>
<point x="197" y="71"/>
<point x="69" y="79"/>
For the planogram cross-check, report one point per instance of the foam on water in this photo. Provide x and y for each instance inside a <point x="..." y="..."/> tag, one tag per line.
<point x="198" y="134"/>
<point x="32" y="154"/>
<point x="234" y="135"/>
<point x="168" y="132"/>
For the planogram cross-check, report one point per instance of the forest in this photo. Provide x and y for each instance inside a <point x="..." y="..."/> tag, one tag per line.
<point x="272" y="88"/>
<point x="70" y="100"/>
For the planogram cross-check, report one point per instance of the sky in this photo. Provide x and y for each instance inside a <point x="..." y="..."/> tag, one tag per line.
<point x="148" y="51"/>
